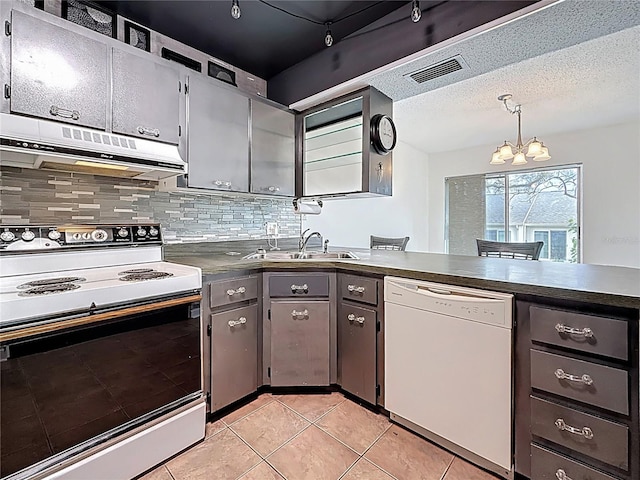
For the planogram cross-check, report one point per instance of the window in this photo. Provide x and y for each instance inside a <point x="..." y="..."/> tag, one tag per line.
<point x="524" y="206"/>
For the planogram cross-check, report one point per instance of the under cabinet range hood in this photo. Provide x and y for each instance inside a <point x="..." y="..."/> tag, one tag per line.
<point x="32" y="143"/>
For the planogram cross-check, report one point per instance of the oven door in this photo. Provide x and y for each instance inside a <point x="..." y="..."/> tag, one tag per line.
<point x="68" y="385"/>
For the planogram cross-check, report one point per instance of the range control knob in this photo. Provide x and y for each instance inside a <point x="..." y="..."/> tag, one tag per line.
<point x="99" y="235"/>
<point x="123" y="232"/>
<point x="141" y="232"/>
<point x="86" y="236"/>
<point x="28" y="235"/>
<point x="7" y="236"/>
<point x="153" y="231"/>
<point x="54" y="235"/>
<point x="77" y="236"/>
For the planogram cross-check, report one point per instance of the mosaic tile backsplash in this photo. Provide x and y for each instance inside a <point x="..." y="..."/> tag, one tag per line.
<point x="47" y="197"/>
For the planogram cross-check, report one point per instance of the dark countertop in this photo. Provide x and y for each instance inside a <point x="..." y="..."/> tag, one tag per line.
<point x="608" y="285"/>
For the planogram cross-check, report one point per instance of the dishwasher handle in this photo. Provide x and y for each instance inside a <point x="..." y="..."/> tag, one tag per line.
<point x="443" y="293"/>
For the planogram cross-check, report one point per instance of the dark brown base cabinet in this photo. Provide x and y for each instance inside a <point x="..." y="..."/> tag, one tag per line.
<point x="232" y="318"/>
<point x="577" y="391"/>
<point x="359" y="321"/>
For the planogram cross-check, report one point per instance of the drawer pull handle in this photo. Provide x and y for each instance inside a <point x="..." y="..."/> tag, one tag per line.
<point x="585" y="432"/>
<point x="352" y="318"/>
<point x="585" y="332"/>
<point x="238" y="291"/>
<point x="235" y="323"/>
<point x="562" y="375"/>
<point x="353" y="288"/>
<point x="64" y="113"/>
<point x="273" y="188"/>
<point x="300" y="288"/>
<point x="561" y="475"/>
<point x="221" y="183"/>
<point x="152" y="132"/>
<point x="303" y="314"/>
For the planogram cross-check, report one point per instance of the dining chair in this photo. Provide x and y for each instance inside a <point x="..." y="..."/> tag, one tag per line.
<point x="385" y="243"/>
<point x="521" y="250"/>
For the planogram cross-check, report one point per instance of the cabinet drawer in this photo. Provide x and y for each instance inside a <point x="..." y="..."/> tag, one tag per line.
<point x="594" y="384"/>
<point x="299" y="286"/>
<point x="547" y="465"/>
<point x="234" y="355"/>
<point x="228" y="292"/>
<point x="360" y="289"/>
<point x="577" y="331"/>
<point x="592" y="436"/>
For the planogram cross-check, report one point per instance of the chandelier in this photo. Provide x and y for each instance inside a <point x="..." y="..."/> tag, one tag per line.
<point x="534" y="148"/>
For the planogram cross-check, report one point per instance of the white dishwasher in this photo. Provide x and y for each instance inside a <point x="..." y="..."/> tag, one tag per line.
<point x="448" y="367"/>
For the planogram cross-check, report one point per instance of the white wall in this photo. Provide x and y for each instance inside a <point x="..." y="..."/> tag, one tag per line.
<point x="349" y="222"/>
<point x="611" y="188"/>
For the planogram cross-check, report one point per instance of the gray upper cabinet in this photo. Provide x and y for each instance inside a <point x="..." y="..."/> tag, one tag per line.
<point x="57" y="74"/>
<point x="335" y="153"/>
<point x="218" y="137"/>
<point x="272" y="150"/>
<point x="146" y="98"/>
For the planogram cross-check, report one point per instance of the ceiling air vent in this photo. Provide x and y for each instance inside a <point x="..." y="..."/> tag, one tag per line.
<point x="438" y="70"/>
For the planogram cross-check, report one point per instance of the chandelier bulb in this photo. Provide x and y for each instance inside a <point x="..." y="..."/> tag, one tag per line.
<point x="328" y="38"/>
<point x="416" y="13"/>
<point x="235" y="10"/>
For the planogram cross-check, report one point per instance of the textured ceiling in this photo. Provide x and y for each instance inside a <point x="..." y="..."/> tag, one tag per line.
<point x="595" y="83"/>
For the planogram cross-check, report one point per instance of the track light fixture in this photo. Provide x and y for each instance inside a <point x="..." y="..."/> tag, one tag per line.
<point x="235" y="9"/>
<point x="507" y="151"/>
<point x="328" y="38"/>
<point x="416" y="13"/>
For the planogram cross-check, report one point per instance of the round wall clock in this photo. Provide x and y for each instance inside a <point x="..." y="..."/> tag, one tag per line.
<point x="383" y="134"/>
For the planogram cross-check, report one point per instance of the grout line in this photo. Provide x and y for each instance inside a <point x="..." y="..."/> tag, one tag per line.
<point x="169" y="471"/>
<point x="446" y="470"/>
<point x="244" y="416"/>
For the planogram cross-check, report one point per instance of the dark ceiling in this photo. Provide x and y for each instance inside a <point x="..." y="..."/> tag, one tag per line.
<point x="263" y="41"/>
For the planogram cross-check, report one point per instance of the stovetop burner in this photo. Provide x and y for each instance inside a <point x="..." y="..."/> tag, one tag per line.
<point x="136" y="270"/>
<point x="48" y="289"/>
<point x="50" y="281"/>
<point x="139" y="277"/>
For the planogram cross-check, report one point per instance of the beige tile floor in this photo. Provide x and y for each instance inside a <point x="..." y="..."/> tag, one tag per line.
<point x="312" y="437"/>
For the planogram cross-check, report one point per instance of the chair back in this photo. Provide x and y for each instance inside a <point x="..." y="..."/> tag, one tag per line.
<point x="384" y="243"/>
<point x="521" y="250"/>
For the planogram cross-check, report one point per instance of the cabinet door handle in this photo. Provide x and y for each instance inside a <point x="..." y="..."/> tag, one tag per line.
<point x="222" y="183"/>
<point x="562" y="375"/>
<point x="238" y="291"/>
<point x="152" y="132"/>
<point x="300" y="288"/>
<point x="352" y="318"/>
<point x="585" y="432"/>
<point x="353" y="288"/>
<point x="303" y="314"/>
<point x="235" y="323"/>
<point x="64" y="113"/>
<point x="561" y="475"/>
<point x="273" y="189"/>
<point x="584" y="332"/>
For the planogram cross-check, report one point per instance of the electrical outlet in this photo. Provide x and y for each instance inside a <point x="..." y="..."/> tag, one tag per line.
<point x="272" y="228"/>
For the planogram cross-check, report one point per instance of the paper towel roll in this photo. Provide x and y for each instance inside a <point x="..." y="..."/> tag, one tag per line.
<point x="307" y="208"/>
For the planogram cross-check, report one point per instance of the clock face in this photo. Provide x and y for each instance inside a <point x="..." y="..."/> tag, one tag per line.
<point x="383" y="134"/>
<point x="387" y="133"/>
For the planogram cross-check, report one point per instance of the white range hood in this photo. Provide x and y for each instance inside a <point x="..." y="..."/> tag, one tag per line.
<point x="31" y="143"/>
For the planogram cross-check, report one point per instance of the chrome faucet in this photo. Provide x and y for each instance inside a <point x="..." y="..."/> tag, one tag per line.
<point x="302" y="243"/>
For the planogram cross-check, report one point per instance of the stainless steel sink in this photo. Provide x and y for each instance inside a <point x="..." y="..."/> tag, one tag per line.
<point x="300" y="256"/>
